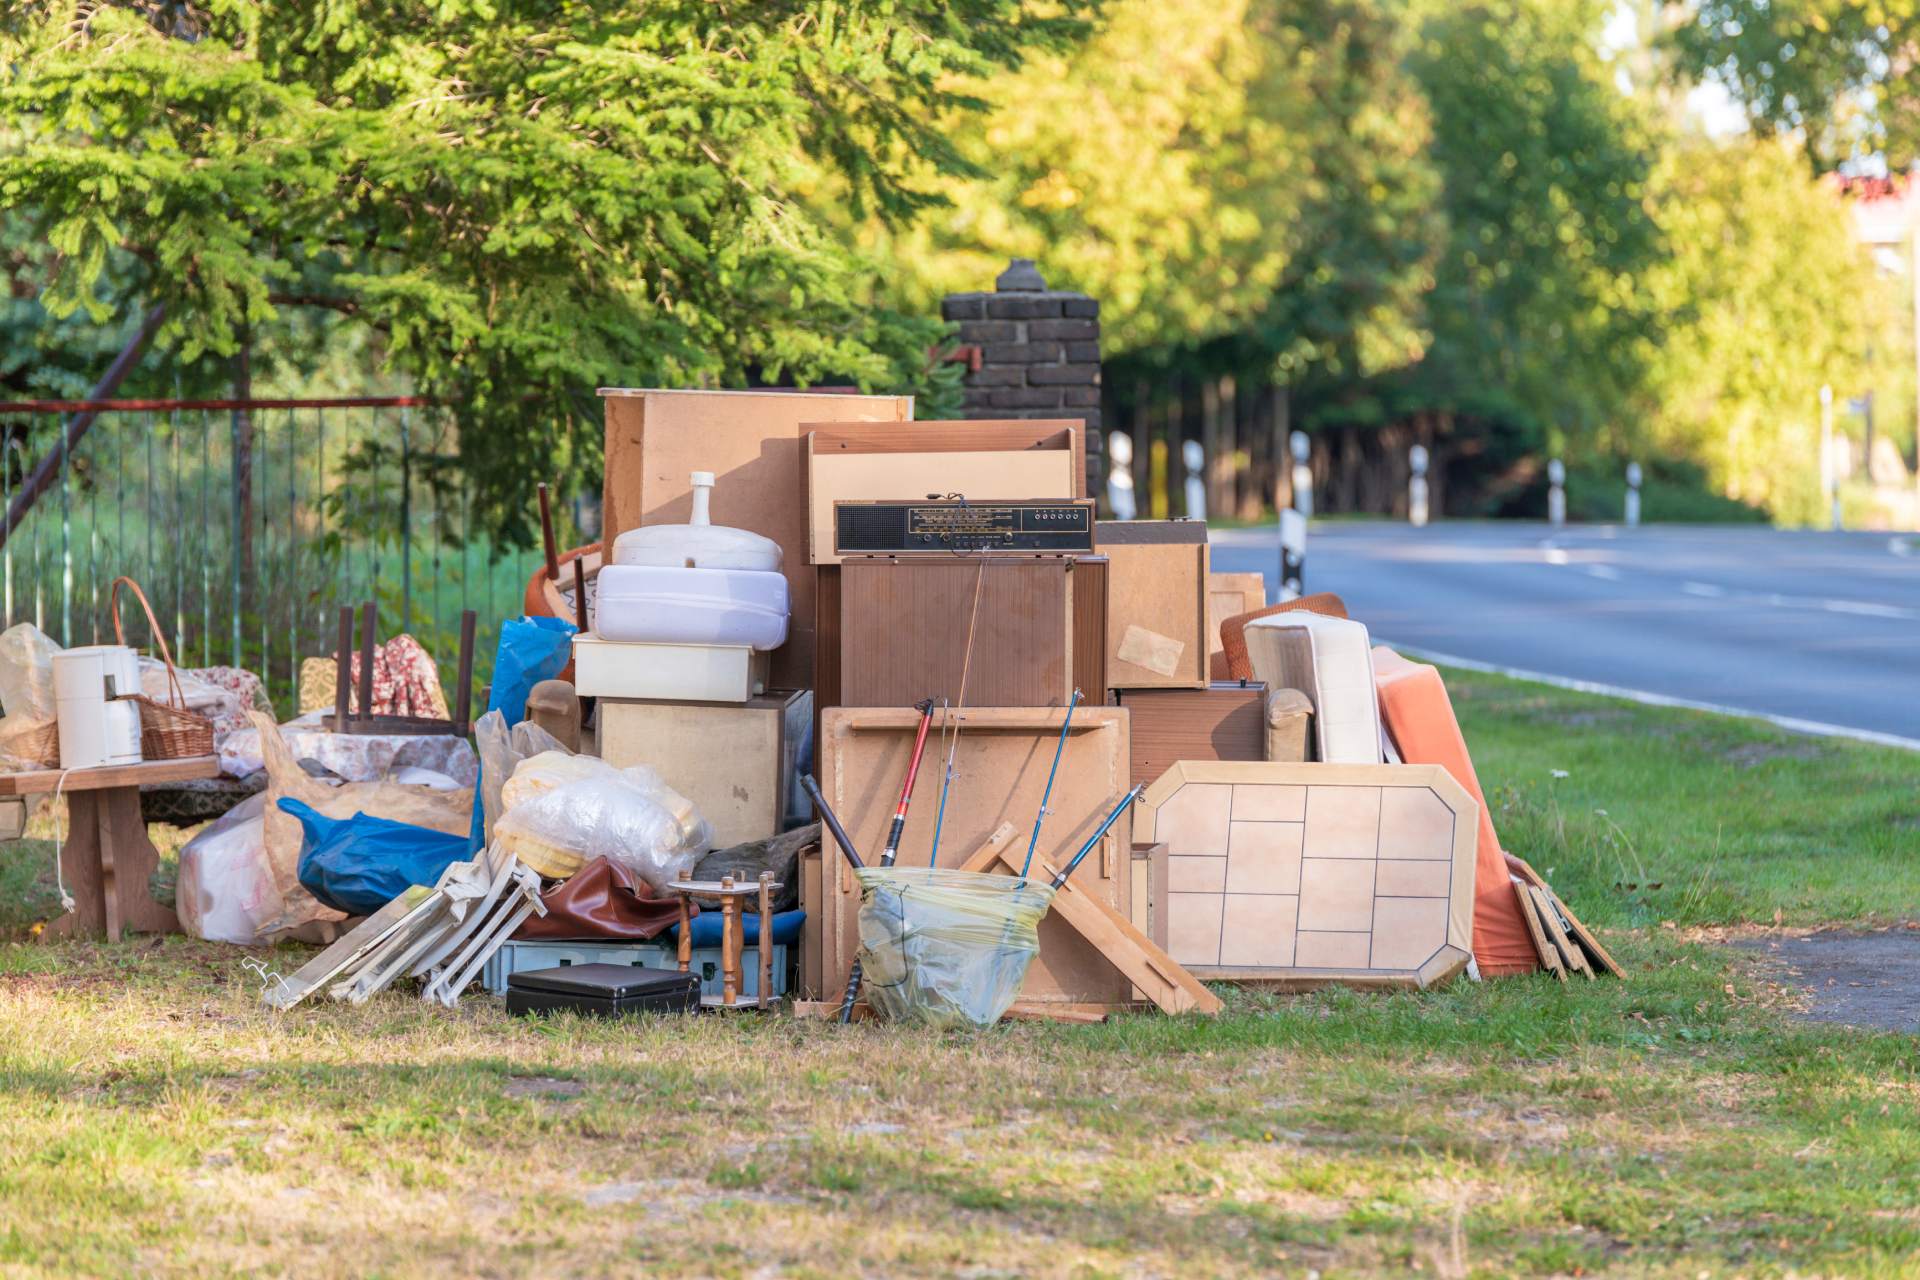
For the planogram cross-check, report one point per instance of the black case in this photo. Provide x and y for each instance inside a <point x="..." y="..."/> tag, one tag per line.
<point x="602" y="990"/>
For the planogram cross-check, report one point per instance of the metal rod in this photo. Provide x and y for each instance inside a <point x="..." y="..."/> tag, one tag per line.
<point x="840" y="836"/>
<point x="1033" y="841"/>
<point x="580" y="593"/>
<point x="546" y="534"/>
<point x="887" y="855"/>
<point x="1126" y="802"/>
<point x="342" y="677"/>
<point x="366" y="660"/>
<point x="946" y="784"/>
<point x="463" y="700"/>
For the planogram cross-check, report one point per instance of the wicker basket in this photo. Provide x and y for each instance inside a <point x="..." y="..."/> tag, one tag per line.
<point x="167" y="732"/>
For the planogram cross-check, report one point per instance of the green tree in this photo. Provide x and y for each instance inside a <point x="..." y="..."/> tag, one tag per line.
<point x="521" y="200"/>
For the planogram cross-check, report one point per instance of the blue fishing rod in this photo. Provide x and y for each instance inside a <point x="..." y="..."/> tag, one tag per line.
<point x="1058" y="747"/>
<point x="1126" y="802"/>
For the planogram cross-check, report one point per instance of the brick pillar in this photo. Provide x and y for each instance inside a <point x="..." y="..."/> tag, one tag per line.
<point x="1039" y="355"/>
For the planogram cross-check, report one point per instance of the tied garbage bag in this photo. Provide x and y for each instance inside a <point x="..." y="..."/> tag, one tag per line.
<point x="226" y="891"/>
<point x="360" y="864"/>
<point x="947" y="948"/>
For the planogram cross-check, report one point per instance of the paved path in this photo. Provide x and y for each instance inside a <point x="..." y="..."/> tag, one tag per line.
<point x="1816" y="630"/>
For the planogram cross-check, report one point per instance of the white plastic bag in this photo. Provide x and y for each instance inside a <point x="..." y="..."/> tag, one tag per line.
<point x="226" y="891"/>
<point x="26" y="688"/>
<point x="570" y="812"/>
<point x="501" y="751"/>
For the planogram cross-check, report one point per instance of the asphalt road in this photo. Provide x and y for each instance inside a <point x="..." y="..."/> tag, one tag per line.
<point x="1818" y="631"/>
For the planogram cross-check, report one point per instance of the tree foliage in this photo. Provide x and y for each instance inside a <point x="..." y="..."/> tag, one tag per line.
<point x="522" y="200"/>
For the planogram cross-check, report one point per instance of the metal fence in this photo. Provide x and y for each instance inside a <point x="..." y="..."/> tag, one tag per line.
<point x="247" y="523"/>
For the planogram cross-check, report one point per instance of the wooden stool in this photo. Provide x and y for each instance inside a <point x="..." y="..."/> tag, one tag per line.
<point x="730" y="894"/>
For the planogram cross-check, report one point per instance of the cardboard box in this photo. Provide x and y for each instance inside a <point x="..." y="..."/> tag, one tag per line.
<point x="752" y="442"/>
<point x="1156" y="603"/>
<point x="733" y="760"/>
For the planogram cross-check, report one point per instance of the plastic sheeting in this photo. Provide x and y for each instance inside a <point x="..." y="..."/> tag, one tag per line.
<point x="629" y="816"/>
<point x="947" y="948"/>
<point x="360" y="864"/>
<point x="226" y="891"/>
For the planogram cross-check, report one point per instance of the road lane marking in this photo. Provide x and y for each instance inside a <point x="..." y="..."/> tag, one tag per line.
<point x="1703" y="589"/>
<point x="1604" y="572"/>
<point x="1793" y="724"/>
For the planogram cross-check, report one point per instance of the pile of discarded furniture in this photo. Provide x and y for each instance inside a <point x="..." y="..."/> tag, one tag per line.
<point x="861" y="716"/>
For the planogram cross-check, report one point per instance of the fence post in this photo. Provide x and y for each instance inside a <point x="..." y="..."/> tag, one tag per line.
<point x="406" y="521"/>
<point x="1417" y="486"/>
<point x="1556" y="493"/>
<point x="1302" y="475"/>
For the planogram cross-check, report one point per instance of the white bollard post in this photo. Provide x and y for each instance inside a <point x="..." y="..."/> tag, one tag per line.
<point x="1633" y="495"/>
<point x="1293" y="554"/>
<point x="1417" y="487"/>
<point x="1829" y="462"/>
<point x="1556" y="493"/>
<point x="1195" y="458"/>
<point x="1302" y="474"/>
<point x="1120" y="476"/>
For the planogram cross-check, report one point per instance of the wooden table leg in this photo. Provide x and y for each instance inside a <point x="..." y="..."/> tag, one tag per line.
<point x="107" y="863"/>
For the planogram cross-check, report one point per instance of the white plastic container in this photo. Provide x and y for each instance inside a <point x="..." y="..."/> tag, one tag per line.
<point x="658" y="605"/>
<point x="94" y="730"/>
<point x="670" y="672"/>
<point x="698" y="544"/>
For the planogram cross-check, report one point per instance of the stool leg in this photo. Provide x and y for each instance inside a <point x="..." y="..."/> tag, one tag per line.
<point x="730" y="937"/>
<point x="766" y="937"/>
<point x="686" y="935"/>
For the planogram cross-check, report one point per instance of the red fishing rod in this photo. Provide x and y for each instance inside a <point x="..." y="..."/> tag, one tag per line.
<point x="888" y="854"/>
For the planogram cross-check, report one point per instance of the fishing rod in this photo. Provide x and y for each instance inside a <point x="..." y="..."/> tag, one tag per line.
<point x="1125" y="802"/>
<point x="840" y="836"/>
<point x="946" y="778"/>
<point x="1047" y="795"/>
<point x="888" y="854"/>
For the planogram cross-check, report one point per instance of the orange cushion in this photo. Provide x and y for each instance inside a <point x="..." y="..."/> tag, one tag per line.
<point x="1233" y="631"/>
<point x="1419" y="718"/>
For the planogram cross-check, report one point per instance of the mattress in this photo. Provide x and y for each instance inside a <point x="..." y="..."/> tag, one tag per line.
<point x="1420" y="723"/>
<point x="1331" y="661"/>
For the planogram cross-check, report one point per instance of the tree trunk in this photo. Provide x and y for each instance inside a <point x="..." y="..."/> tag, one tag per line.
<point x="1210" y="442"/>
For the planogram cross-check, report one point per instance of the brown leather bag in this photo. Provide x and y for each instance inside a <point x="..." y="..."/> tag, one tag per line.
<point x="601" y="900"/>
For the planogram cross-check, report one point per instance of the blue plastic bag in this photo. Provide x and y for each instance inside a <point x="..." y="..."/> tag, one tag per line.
<point x="531" y="650"/>
<point x="360" y="864"/>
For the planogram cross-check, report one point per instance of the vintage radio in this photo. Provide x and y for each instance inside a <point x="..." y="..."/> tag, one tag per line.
<point x="946" y="526"/>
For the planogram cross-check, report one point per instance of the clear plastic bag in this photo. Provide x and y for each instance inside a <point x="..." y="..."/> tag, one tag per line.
<point x="569" y="811"/>
<point x="26" y="694"/>
<point x="226" y="891"/>
<point x="501" y="751"/>
<point x="947" y="948"/>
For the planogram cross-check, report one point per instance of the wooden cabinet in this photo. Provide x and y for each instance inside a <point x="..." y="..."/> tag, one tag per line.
<point x="733" y="760"/>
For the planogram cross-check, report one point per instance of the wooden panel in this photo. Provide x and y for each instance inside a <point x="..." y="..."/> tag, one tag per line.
<point x="1321" y="873"/>
<point x="1149" y="891"/>
<point x="1156" y="603"/>
<point x="826" y="664"/>
<point x="904" y="627"/>
<point x="751" y="441"/>
<point x="732" y="760"/>
<point x="1001" y="767"/>
<point x="1225" y="721"/>
<point x="1228" y="596"/>
<point x="982" y="461"/>
<point x="972" y="434"/>
<point x="1088" y="581"/>
<point x="105" y="777"/>
<point x="812" y="887"/>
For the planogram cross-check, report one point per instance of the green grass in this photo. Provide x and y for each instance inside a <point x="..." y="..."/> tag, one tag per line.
<point x="1676" y="1124"/>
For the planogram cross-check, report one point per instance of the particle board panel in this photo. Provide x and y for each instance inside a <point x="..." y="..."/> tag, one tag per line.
<point x="1001" y="765"/>
<point x="1301" y="875"/>
<point x="1228" y="596"/>
<point x="1148" y="891"/>
<point x="1156" y="603"/>
<point x="904" y="624"/>
<point x="983" y="461"/>
<point x="1088" y="578"/>
<point x="1225" y="721"/>
<point x="753" y="443"/>
<point x="731" y="759"/>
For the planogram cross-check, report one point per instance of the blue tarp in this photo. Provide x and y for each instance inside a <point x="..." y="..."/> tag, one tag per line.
<point x="360" y="864"/>
<point x="531" y="650"/>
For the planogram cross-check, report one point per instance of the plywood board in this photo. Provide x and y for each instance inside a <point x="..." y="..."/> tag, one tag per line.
<point x="1302" y="874"/>
<point x="978" y="460"/>
<point x="752" y="442"/>
<point x="732" y="760"/>
<point x="904" y="625"/>
<point x="1156" y="603"/>
<point x="1001" y="766"/>
<point x="1225" y="721"/>
<point x="1228" y="596"/>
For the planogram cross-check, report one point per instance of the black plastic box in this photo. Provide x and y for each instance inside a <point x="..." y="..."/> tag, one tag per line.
<point x="603" y="990"/>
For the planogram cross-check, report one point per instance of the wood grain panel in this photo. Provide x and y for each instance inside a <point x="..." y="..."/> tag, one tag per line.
<point x="1223" y="722"/>
<point x="904" y="627"/>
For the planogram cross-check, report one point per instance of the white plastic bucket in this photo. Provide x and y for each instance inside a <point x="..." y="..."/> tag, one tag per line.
<point x="654" y="604"/>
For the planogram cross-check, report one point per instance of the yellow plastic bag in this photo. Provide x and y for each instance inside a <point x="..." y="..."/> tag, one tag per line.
<point x="947" y="948"/>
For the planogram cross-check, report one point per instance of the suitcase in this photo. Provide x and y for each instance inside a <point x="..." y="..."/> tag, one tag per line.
<point x="603" y="990"/>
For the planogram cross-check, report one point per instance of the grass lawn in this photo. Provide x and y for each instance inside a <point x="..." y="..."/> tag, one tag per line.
<point x="1680" y="1123"/>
